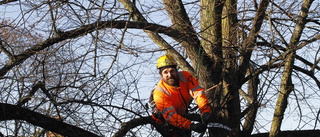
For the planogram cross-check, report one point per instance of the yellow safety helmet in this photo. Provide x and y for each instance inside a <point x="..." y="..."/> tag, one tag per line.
<point x="166" y="60"/>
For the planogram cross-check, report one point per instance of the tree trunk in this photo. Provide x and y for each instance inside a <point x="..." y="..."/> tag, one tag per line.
<point x="230" y="68"/>
<point x="285" y="90"/>
<point x="286" y="81"/>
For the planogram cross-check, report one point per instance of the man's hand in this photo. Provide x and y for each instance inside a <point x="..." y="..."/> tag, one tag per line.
<point x="208" y="117"/>
<point x="198" y="127"/>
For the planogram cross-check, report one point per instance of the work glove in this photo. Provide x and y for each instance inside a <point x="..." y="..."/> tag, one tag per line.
<point x="208" y="117"/>
<point x="198" y="127"/>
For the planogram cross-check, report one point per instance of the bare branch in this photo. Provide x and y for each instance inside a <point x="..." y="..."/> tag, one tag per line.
<point x="18" y="59"/>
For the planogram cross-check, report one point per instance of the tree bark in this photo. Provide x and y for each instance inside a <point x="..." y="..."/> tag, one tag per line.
<point x="230" y="69"/>
<point x="282" y="102"/>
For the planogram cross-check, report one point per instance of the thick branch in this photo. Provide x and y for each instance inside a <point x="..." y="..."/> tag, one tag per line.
<point x="286" y="82"/>
<point x="14" y="112"/>
<point x="296" y="133"/>
<point x="250" y="42"/>
<point x="125" y="127"/>
<point x="7" y="1"/>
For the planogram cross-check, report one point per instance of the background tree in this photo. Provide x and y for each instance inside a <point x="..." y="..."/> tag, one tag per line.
<point x="85" y="62"/>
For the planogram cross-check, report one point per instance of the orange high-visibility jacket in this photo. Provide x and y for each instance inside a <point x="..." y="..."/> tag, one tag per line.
<point x="172" y="102"/>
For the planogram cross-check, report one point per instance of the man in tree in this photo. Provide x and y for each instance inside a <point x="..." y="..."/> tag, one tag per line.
<point x="172" y="96"/>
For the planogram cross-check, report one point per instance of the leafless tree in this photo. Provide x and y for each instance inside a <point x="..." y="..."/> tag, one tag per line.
<point x="84" y="62"/>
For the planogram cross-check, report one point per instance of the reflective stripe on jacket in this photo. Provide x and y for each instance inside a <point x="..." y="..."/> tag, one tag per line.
<point x="173" y="102"/>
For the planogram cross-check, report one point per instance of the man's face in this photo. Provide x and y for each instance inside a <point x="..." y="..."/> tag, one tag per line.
<point x="170" y="76"/>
